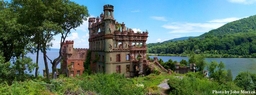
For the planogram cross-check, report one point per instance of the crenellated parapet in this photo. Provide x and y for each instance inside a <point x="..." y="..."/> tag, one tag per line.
<point x="69" y="42"/>
<point x="138" y="33"/>
<point x="108" y="7"/>
<point x="91" y="19"/>
<point x="81" y="49"/>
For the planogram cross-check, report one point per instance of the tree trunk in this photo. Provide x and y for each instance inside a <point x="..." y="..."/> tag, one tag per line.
<point x="54" y="66"/>
<point x="57" y="60"/>
<point x="53" y="69"/>
<point x="37" y="56"/>
<point x="46" y="64"/>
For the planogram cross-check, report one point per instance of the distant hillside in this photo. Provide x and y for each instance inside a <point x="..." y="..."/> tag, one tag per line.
<point x="177" y="39"/>
<point x="234" y="38"/>
<point x="242" y="25"/>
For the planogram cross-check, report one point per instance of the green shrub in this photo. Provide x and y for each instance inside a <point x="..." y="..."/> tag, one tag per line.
<point x="29" y="87"/>
<point x="191" y="85"/>
<point x="111" y="84"/>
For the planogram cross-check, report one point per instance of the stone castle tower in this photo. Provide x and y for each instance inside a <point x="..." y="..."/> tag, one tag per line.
<point x="73" y="59"/>
<point x="115" y="48"/>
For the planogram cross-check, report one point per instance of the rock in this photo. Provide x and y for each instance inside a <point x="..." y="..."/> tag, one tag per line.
<point x="164" y="85"/>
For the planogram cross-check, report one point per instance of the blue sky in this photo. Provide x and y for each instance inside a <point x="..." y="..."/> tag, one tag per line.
<point x="165" y="19"/>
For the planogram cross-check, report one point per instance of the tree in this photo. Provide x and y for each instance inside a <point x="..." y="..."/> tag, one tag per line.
<point x="218" y="73"/>
<point x="253" y="76"/>
<point x="200" y="62"/>
<point x="87" y="62"/>
<point x="229" y="75"/>
<point x="48" y="18"/>
<point x="32" y="15"/>
<point x="221" y="73"/>
<point x="183" y="62"/>
<point x="15" y="70"/>
<point x="15" y="44"/>
<point x="6" y="73"/>
<point x="170" y="64"/>
<point x="21" y="66"/>
<point x="160" y="61"/>
<point x="69" y="15"/>
<point x="192" y="58"/>
<point x="14" y="38"/>
<point x="198" y="59"/>
<point x="244" y="81"/>
<point x="212" y="69"/>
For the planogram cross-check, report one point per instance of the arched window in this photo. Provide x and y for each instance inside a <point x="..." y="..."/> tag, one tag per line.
<point x="118" y="58"/>
<point x="127" y="68"/>
<point x="98" y="30"/>
<point x="127" y="57"/>
<point x="118" y="69"/>
<point x="78" y="73"/>
<point x="72" y="64"/>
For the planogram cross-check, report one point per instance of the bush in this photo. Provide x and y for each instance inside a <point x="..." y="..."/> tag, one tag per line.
<point x="191" y="85"/>
<point x="110" y="84"/>
<point x="30" y="87"/>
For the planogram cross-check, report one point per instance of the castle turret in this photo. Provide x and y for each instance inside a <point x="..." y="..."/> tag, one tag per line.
<point x="90" y="22"/>
<point x="123" y="26"/>
<point x="108" y="11"/>
<point x="69" y="46"/>
<point x="108" y="42"/>
<point x="109" y="23"/>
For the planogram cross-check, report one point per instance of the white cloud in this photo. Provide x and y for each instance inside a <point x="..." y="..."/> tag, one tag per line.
<point x="136" y="30"/>
<point x="225" y="20"/>
<point x="160" y="18"/>
<point x="243" y="1"/>
<point x="159" y="40"/>
<point x="135" y="11"/>
<point x="74" y="35"/>
<point x="178" y="27"/>
<point x="86" y="36"/>
<point x="55" y="43"/>
<point x="162" y="40"/>
<point x="83" y="27"/>
<point x="79" y="35"/>
<point x="191" y="27"/>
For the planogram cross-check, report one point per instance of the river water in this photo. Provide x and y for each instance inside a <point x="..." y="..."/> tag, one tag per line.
<point x="52" y="54"/>
<point x="236" y="65"/>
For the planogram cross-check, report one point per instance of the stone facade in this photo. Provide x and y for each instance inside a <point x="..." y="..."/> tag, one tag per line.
<point x="73" y="59"/>
<point x="114" y="47"/>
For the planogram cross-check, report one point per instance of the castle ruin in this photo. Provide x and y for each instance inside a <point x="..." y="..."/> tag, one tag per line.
<point x="73" y="59"/>
<point x="114" y="47"/>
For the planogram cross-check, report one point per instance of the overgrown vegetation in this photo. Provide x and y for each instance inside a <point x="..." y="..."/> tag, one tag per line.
<point x="246" y="81"/>
<point x="116" y="84"/>
<point x="191" y="84"/>
<point x="87" y="68"/>
<point x="107" y="84"/>
<point x="17" y="70"/>
<point x="197" y="59"/>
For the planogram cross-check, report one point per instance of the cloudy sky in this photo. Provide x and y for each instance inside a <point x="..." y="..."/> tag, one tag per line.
<point x="165" y="19"/>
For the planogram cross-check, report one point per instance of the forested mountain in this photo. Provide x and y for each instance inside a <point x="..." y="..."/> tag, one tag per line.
<point x="177" y="39"/>
<point x="243" y="25"/>
<point x="234" y="38"/>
